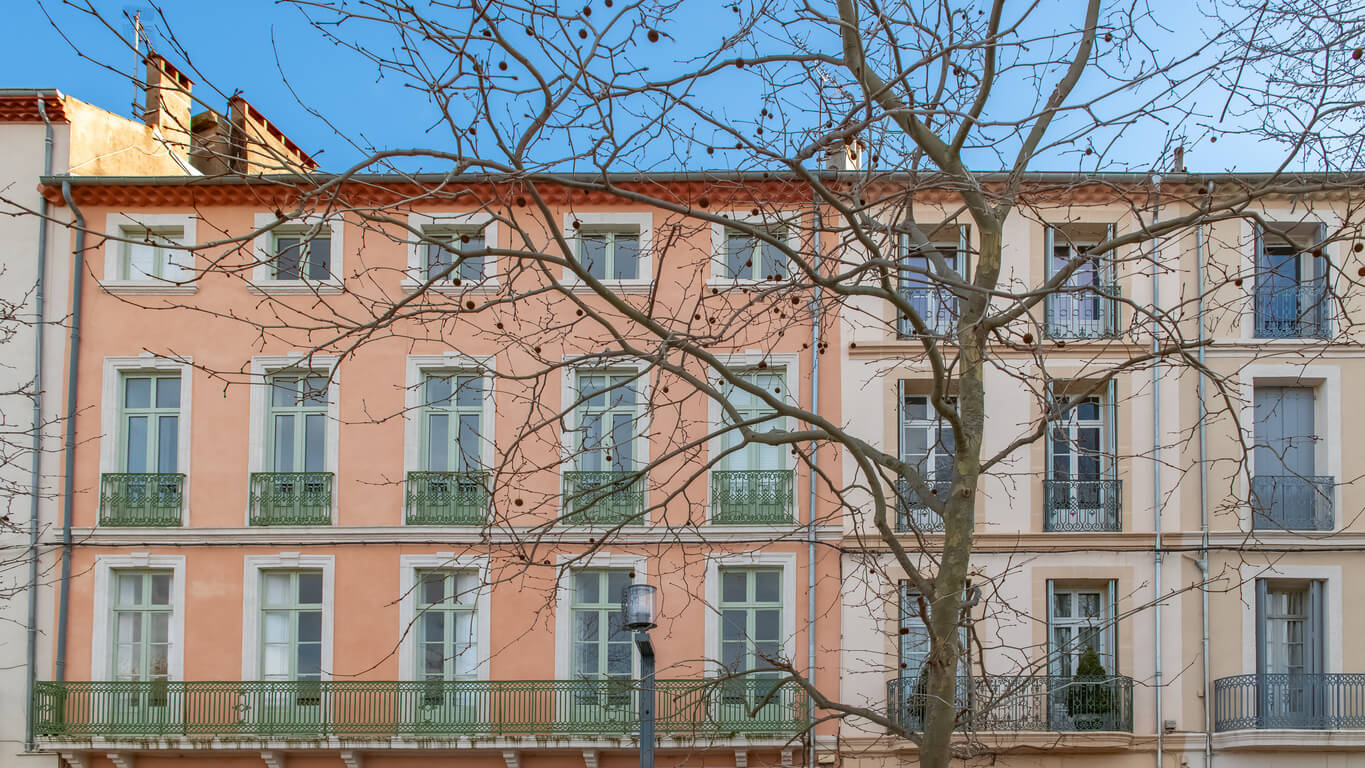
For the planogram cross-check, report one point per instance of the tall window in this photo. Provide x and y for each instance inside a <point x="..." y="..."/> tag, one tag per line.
<point x="154" y="254"/>
<point x="300" y="257"/>
<point x="1079" y="618"/>
<point x="752" y="410"/>
<point x="150" y="423"/>
<point x="751" y="618"/>
<point x="748" y="257"/>
<point x="601" y="646"/>
<point x="447" y="625"/>
<point x="464" y="246"/>
<point x="1079" y="309"/>
<point x="1082" y="489"/>
<point x="914" y="652"/>
<point x="610" y="254"/>
<point x="607" y="416"/>
<point x="1291" y="282"/>
<point x="927" y="443"/>
<point x="291" y="625"/>
<point x="1290" y="654"/>
<point x="298" y="422"/>
<point x="1288" y="491"/>
<point x="142" y="625"/>
<point x="921" y="285"/>
<point x="452" y="422"/>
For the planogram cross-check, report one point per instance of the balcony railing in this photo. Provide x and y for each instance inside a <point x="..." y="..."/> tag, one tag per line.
<point x="1321" y="701"/>
<point x="1082" y="505"/>
<point x="447" y="498"/>
<point x="751" y="497"/>
<point x="290" y="498"/>
<point x="141" y="499"/>
<point x="1299" y="311"/>
<point x="911" y="511"/>
<point x="421" y="709"/>
<point x="603" y="498"/>
<point x="937" y="307"/>
<point x="1292" y="503"/>
<point x="1090" y="312"/>
<point x="1016" y="703"/>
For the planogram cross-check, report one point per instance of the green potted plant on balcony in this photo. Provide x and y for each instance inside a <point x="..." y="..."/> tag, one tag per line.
<point x="1089" y="700"/>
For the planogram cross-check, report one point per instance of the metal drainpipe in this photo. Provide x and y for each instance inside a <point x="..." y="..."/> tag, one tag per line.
<point x="69" y="482"/>
<point x="36" y="477"/>
<point x="1156" y="475"/>
<point x="1203" y="504"/>
<point x="810" y="495"/>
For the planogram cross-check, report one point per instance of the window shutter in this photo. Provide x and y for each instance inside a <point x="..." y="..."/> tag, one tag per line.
<point x="1107" y="275"/>
<point x="1047" y="611"/>
<point x="1258" y="251"/>
<point x="1261" y="688"/>
<point x="1111" y="417"/>
<point x="1314" y="645"/>
<point x="963" y="249"/>
<point x="1320" y="262"/>
<point x="1113" y="629"/>
<point x="1047" y="252"/>
<point x="1050" y="399"/>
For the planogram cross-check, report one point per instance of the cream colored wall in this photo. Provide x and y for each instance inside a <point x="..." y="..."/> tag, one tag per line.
<point x="105" y="144"/>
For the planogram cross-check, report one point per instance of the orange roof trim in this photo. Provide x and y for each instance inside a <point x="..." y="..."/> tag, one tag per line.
<point x="273" y="130"/>
<point x="24" y="109"/>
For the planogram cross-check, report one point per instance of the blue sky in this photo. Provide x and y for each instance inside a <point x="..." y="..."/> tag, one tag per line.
<point x="264" y="49"/>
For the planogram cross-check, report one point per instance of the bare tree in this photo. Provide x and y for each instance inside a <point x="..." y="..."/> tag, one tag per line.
<point x="544" y="110"/>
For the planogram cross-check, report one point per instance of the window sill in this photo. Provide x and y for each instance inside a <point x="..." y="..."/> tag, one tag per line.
<point x="294" y="288"/>
<point x="732" y="285"/>
<point x="637" y="287"/>
<point x="486" y="287"/>
<point x="144" y="287"/>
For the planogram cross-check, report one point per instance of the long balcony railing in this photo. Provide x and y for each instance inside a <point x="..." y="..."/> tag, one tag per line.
<point x="421" y="709"/>
<point x="1300" y="311"/>
<point x="912" y="513"/>
<point x="1316" y="701"/>
<point x="1082" y="505"/>
<point x="1292" y="503"/>
<point x="141" y="499"/>
<point x="937" y="307"/>
<point x="446" y="498"/>
<point x="290" y="498"/>
<point x="752" y="496"/>
<point x="1090" y="312"/>
<point x="1017" y="703"/>
<point x="603" y="498"/>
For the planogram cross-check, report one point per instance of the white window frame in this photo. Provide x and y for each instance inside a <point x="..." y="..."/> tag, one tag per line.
<point x="262" y="368"/>
<point x="1325" y="379"/>
<point x="718" y="278"/>
<point x="1332" y="620"/>
<point x="409" y="566"/>
<point x="263" y="280"/>
<point x="111" y="390"/>
<point x="102" y="627"/>
<point x="784" y="560"/>
<point x="566" y="565"/>
<point x="791" y="376"/>
<point x="474" y="221"/>
<point x="613" y="220"/>
<point x="568" y="395"/>
<point x="253" y="565"/>
<point x="118" y="225"/>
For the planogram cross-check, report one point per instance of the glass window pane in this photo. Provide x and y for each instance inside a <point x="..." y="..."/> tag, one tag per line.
<point x="320" y="259"/>
<point x="1061" y="605"/>
<point x="137" y="393"/>
<point x="767" y="624"/>
<point x="315" y="391"/>
<point x="284" y="443"/>
<point x="125" y="665"/>
<point x="586" y="660"/>
<point x="168" y="392"/>
<point x="276" y="661"/>
<point x="310" y="588"/>
<point x="310" y="660"/>
<point x="159" y="661"/>
<point x="626" y="259"/>
<point x="469" y="392"/>
<point x="734" y="586"/>
<point x="315" y="449"/>
<point x="161" y="589"/>
<point x="433" y="626"/>
<point x="469" y="442"/>
<point x="130" y="589"/>
<point x="160" y="629"/>
<point x="768" y="586"/>
<point x="438" y="390"/>
<point x="141" y="261"/>
<point x="276" y="627"/>
<point x="310" y="626"/>
<point x="618" y="659"/>
<point x="739" y="250"/>
<point x="439" y="258"/>
<point x="593" y="254"/>
<point x="433" y="659"/>
<point x="167" y="439"/>
<point x="438" y="442"/>
<point x="617" y="581"/>
<point x="287" y="258"/>
<point x="587" y="588"/>
<point x="433" y="590"/>
<point x="277" y="588"/>
<point x="136" y="447"/>
<point x="586" y="626"/>
<point x="472" y="263"/>
<point x="286" y="391"/>
<point x="466" y="587"/>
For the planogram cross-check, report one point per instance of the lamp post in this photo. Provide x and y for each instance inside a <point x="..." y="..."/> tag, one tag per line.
<point x="637" y="604"/>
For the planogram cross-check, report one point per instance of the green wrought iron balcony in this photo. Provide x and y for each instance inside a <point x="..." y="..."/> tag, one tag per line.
<point x="141" y="499"/>
<point x="290" y="498"/>
<point x="752" y="497"/>
<point x="603" y="498"/>
<point x="418" y="709"/>
<point x="1022" y="703"/>
<point x="447" y="498"/>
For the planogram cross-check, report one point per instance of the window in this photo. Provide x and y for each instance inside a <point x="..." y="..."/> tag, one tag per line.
<point x="291" y="625"/>
<point x="748" y="257"/>
<point x="1078" y="308"/>
<point x="1286" y="491"/>
<point x="752" y="483"/>
<point x="452" y="417"/>
<point x="142" y="625"/>
<point x="297" y="422"/>
<point x="447" y="625"/>
<point x="1080" y="618"/>
<point x="927" y="442"/>
<point x="602" y="648"/>
<point x="1291" y="283"/>
<point x="1082" y="489"/>
<point x="752" y="410"/>
<point x="922" y="287"/>
<point x="1292" y="689"/>
<point x="300" y="257"/>
<point x="458" y="248"/>
<point x="150" y="423"/>
<point x="751" y="619"/>
<point x="913" y="651"/>
<point x="604" y="439"/>
<point x="154" y="254"/>
<point x="610" y="254"/>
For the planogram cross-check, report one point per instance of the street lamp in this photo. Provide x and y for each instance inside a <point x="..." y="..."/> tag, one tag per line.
<point x="637" y="606"/>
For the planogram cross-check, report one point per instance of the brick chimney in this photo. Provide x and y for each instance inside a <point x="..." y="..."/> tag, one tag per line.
<point x="168" y="104"/>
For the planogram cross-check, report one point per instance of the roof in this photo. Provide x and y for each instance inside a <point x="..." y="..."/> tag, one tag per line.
<point x="20" y="105"/>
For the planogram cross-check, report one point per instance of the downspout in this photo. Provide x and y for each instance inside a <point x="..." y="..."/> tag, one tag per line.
<point x="814" y="454"/>
<point x="1156" y="475"/>
<point x="1203" y="562"/>
<point x="36" y="477"/>
<point x="69" y="482"/>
